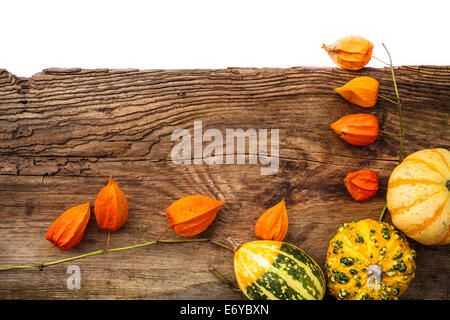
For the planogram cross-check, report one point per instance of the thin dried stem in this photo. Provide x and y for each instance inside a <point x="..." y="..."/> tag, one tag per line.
<point x="390" y="133"/>
<point x="162" y="233"/>
<point x="107" y="241"/>
<point x="46" y="254"/>
<point x="94" y="253"/>
<point x="223" y="279"/>
<point x="387" y="99"/>
<point x="222" y="245"/>
<point x="400" y="115"/>
<point x="399" y="106"/>
<point x="387" y="64"/>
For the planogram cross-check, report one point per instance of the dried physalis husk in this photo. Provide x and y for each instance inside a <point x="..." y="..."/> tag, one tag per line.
<point x="351" y="52"/>
<point x="191" y="215"/>
<point x="357" y="129"/>
<point x="362" y="184"/>
<point x="362" y="91"/>
<point x="68" y="229"/>
<point x="111" y="207"/>
<point x="273" y="224"/>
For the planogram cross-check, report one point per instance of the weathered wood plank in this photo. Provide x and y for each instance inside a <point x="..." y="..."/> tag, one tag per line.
<point x="65" y="131"/>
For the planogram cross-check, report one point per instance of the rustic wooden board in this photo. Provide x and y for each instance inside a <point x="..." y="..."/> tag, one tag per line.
<point x="64" y="132"/>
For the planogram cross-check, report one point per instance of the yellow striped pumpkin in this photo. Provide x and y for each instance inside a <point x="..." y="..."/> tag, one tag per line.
<point x="418" y="196"/>
<point x="274" y="270"/>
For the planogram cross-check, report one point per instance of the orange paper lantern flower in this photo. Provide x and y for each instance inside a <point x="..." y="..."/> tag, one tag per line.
<point x="273" y="224"/>
<point x="362" y="91"/>
<point x="357" y="129"/>
<point x="111" y="207"/>
<point x="191" y="215"/>
<point x="352" y="52"/>
<point x="362" y="184"/>
<point x="68" y="229"/>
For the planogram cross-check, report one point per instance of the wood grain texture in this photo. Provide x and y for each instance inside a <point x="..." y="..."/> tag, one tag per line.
<point x="63" y="132"/>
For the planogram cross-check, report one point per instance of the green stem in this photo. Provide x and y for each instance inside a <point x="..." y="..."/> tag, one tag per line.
<point x="222" y="245"/>
<point x="223" y="279"/>
<point x="380" y="60"/>
<point x="399" y="105"/>
<point x="387" y="99"/>
<point x="382" y="212"/>
<point x="94" y="253"/>
<point x="400" y="115"/>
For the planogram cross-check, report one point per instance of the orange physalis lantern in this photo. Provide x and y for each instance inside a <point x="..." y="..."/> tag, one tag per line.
<point x="351" y="52"/>
<point x="273" y="224"/>
<point x="111" y="207"/>
<point x="191" y="215"/>
<point x="362" y="184"/>
<point x="68" y="229"/>
<point x="357" y="129"/>
<point x="362" y="91"/>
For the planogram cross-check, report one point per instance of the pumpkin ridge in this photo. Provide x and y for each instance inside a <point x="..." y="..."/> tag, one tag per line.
<point x="399" y="182"/>
<point x="442" y="158"/>
<point x="429" y="221"/>
<point x="445" y="237"/>
<point x="403" y="209"/>
<point x="431" y="167"/>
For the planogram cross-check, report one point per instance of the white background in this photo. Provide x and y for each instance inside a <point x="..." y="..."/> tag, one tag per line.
<point x="214" y="34"/>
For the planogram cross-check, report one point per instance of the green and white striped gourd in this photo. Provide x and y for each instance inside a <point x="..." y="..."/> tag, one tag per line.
<point x="273" y="270"/>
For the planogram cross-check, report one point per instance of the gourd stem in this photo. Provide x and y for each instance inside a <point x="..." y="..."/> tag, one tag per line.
<point x="382" y="212"/>
<point x="223" y="279"/>
<point x="374" y="273"/>
<point x="94" y="253"/>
